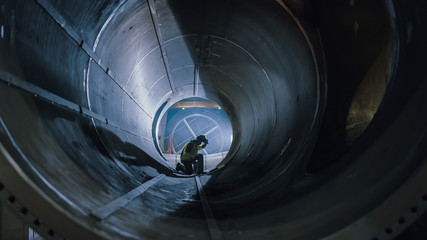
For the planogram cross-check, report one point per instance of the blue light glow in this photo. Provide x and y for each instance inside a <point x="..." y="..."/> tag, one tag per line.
<point x="189" y="118"/>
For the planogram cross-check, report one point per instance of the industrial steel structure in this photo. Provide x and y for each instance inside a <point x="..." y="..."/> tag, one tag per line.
<point x="326" y="100"/>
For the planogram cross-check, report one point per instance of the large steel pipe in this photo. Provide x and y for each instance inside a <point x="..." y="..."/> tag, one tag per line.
<point x="84" y="84"/>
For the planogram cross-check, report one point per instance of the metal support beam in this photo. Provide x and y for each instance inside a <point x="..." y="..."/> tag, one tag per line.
<point x="196" y="73"/>
<point x="214" y="230"/>
<point x="43" y="94"/>
<point x="105" y="211"/>
<point x="156" y="25"/>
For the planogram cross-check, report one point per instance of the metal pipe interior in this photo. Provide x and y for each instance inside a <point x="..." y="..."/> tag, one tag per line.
<point x="90" y="79"/>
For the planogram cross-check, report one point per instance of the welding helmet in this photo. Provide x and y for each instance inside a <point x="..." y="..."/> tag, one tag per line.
<point x="201" y="138"/>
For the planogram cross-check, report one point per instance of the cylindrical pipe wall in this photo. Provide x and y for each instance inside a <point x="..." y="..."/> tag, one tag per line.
<point x="89" y="80"/>
<point x="126" y="63"/>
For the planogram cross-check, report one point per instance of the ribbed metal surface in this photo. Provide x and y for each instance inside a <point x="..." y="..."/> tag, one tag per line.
<point x="84" y="84"/>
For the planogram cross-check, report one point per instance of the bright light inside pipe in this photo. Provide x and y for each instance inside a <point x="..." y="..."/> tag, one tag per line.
<point x="189" y="118"/>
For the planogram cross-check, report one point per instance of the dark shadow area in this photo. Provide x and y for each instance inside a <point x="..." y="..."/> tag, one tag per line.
<point x="417" y="230"/>
<point x="353" y="37"/>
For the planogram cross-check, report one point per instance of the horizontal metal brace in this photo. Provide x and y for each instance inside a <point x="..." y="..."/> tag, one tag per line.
<point x="41" y="93"/>
<point x="105" y="211"/>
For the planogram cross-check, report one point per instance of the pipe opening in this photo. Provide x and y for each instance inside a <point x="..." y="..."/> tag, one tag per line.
<point x="189" y="118"/>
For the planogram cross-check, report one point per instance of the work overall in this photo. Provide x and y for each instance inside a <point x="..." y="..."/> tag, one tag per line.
<point x="192" y="158"/>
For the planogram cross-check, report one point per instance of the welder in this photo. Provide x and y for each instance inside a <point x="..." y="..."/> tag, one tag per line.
<point x="190" y="156"/>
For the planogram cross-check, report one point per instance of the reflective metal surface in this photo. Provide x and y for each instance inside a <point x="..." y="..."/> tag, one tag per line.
<point x="84" y="85"/>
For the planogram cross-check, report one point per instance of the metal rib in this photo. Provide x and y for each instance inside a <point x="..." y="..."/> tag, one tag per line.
<point x="105" y="211"/>
<point x="57" y="17"/>
<point x="214" y="230"/>
<point x="19" y="83"/>
<point x="156" y="25"/>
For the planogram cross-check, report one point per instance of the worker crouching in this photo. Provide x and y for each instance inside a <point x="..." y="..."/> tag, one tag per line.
<point x="190" y="156"/>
